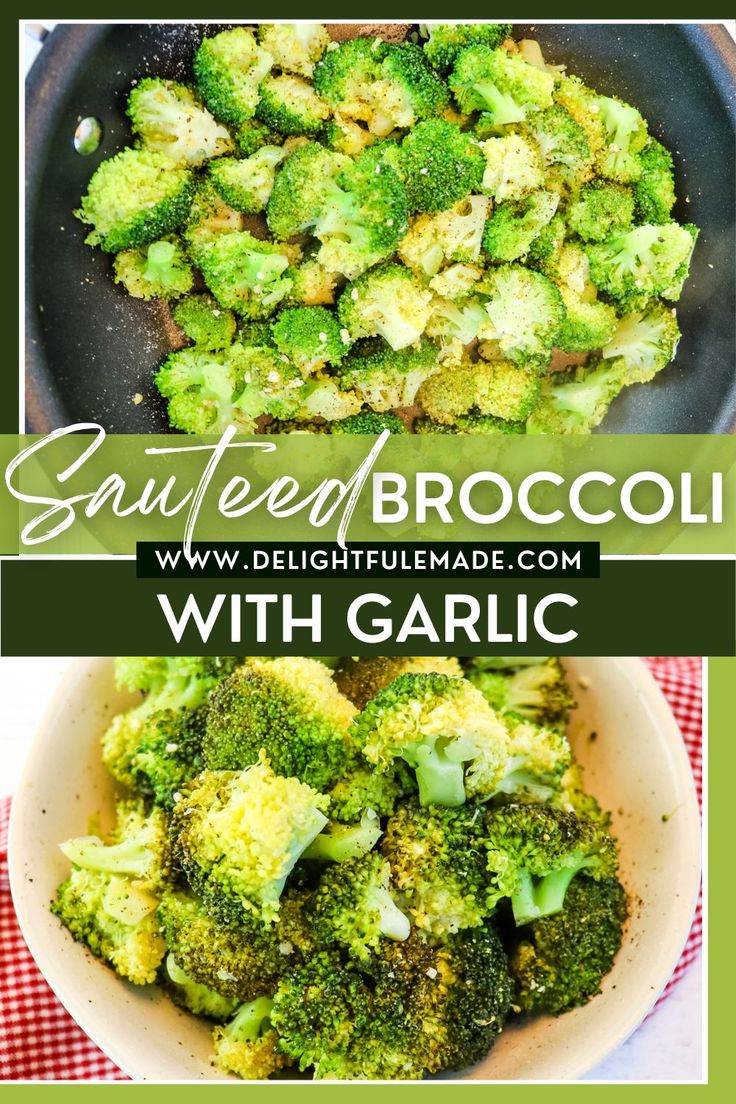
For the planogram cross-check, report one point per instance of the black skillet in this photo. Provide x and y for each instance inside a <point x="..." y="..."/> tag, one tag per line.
<point x="91" y="348"/>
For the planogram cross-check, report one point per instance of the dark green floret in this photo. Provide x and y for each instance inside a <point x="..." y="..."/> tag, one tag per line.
<point x="229" y="69"/>
<point x="205" y="322"/>
<point x="654" y="191"/>
<point x="371" y="422"/>
<point x="353" y="907"/>
<point x="446" y="40"/>
<point x="310" y="337"/>
<point x="439" y="164"/>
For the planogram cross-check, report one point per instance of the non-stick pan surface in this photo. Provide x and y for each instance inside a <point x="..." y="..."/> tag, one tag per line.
<point x="91" y="348"/>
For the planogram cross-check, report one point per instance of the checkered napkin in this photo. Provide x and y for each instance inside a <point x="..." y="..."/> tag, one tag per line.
<point x="40" y="1041"/>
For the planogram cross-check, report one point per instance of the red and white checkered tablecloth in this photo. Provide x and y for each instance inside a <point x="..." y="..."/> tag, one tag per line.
<point x="40" y="1041"/>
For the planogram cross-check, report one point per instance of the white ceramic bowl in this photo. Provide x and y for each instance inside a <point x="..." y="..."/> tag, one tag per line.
<point x="636" y="766"/>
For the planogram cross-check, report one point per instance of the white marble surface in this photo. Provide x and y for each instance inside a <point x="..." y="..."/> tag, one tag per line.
<point x="666" y="1047"/>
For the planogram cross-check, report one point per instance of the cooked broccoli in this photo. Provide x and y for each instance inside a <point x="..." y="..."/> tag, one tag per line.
<point x="360" y="679"/>
<point x="169" y="753"/>
<point x="514" y="224"/>
<point x="238" y="834"/>
<point x="457" y="280"/>
<point x="229" y="69"/>
<point x="443" y="728"/>
<point x="446" y="40"/>
<point x="347" y="137"/>
<point x="647" y="261"/>
<point x="160" y="270"/>
<point x="513" y="167"/>
<point x="499" y="388"/>
<point x="646" y="341"/>
<point x="654" y="189"/>
<point x="203" y="390"/>
<point x="311" y="284"/>
<point x="600" y="209"/>
<point x="439" y="164"/>
<point x="245" y="274"/>
<point x="538" y="691"/>
<point x="525" y="312"/>
<point x="205" y="322"/>
<point x="453" y="235"/>
<point x="310" y="337"/>
<point x="500" y="83"/>
<point x="109" y="900"/>
<point x="209" y="218"/>
<point x="247" y="184"/>
<point x="288" y="707"/>
<point x="438" y="864"/>
<point x="390" y="302"/>
<point x="560" y="960"/>
<point x="455" y="325"/>
<point x="386" y="379"/>
<point x="362" y="790"/>
<point x="499" y="663"/>
<point x="340" y="842"/>
<point x="625" y="136"/>
<point x="586" y="326"/>
<point x="572" y="797"/>
<point x="294" y="47"/>
<point x="353" y="906"/>
<point x="298" y="195"/>
<point x="381" y="85"/>
<point x="253" y="134"/>
<point x="248" y="1045"/>
<point x="534" y="852"/>
<point x="369" y="421"/>
<point x="192" y="995"/>
<point x="242" y="962"/>
<point x="538" y="756"/>
<point x="564" y="146"/>
<point x="168" y="119"/>
<point x="584" y="105"/>
<point x="134" y="198"/>
<point x="289" y="105"/>
<point x="323" y="398"/>
<point x="576" y="400"/>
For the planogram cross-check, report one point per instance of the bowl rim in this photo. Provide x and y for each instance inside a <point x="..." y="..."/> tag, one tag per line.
<point x="103" y="1036"/>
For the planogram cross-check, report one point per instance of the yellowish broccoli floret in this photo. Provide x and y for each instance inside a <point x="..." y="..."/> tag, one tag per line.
<point x="157" y="271"/>
<point x="294" y="47"/>
<point x="513" y="167"/>
<point x="452" y="235"/>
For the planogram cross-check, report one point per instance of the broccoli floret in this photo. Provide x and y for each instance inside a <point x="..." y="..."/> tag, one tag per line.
<point x="245" y="274"/>
<point x="289" y="105"/>
<point x="499" y="83"/>
<point x="514" y="225"/>
<point x="310" y="337"/>
<point x="205" y="322"/>
<point x="538" y="756"/>
<point x="347" y="137"/>
<point x="534" y="852"/>
<point x="501" y="663"/>
<point x="560" y="960"/>
<point x="577" y="400"/>
<point x="229" y="69"/>
<point x="573" y="798"/>
<point x="209" y="218"/>
<point x="600" y="209"/>
<point x="443" y="728"/>
<point x="646" y="261"/>
<point x="446" y="40"/>
<point x="625" y="136"/>
<point x="294" y="47"/>
<point x="369" y="421"/>
<point x="476" y="424"/>
<point x="587" y="325"/>
<point x="455" y="325"/>
<point x="247" y="184"/>
<point x="288" y="707"/>
<point x="248" y="1045"/>
<point x="340" y="842"/>
<point x="452" y="235"/>
<point x="390" y="302"/>
<point x="160" y="270"/>
<point x="386" y="379"/>
<point x="109" y="900"/>
<point x="440" y="165"/>
<point x="202" y="390"/>
<point x="456" y="281"/>
<point x="545" y="250"/>
<point x="513" y="167"/>
<point x="168" y="119"/>
<point x="583" y="104"/>
<point x="311" y="284"/>
<point x="238" y="834"/>
<point x="323" y="398"/>
<point x="525" y="311"/>
<point x="499" y="388"/>
<point x="382" y="85"/>
<point x="253" y="134"/>
<point x="539" y="691"/>
<point x="134" y="198"/>
<point x="360" y="789"/>
<point x="353" y="906"/>
<point x="169" y="683"/>
<point x="169" y="753"/>
<point x="361" y="679"/>
<point x="192" y="995"/>
<point x="438" y="863"/>
<point x="654" y="190"/>
<point x="646" y="341"/>
<point x="564" y="146"/>
<point x="240" y="963"/>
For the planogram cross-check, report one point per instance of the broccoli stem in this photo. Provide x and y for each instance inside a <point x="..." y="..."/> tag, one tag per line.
<point x="346" y="841"/>
<point x="392" y="923"/>
<point x="129" y="857"/>
<point x="535" y="898"/>
<point x="158" y="263"/>
<point x="518" y="778"/>
<point x="251" y="1020"/>
<point x="441" y="780"/>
